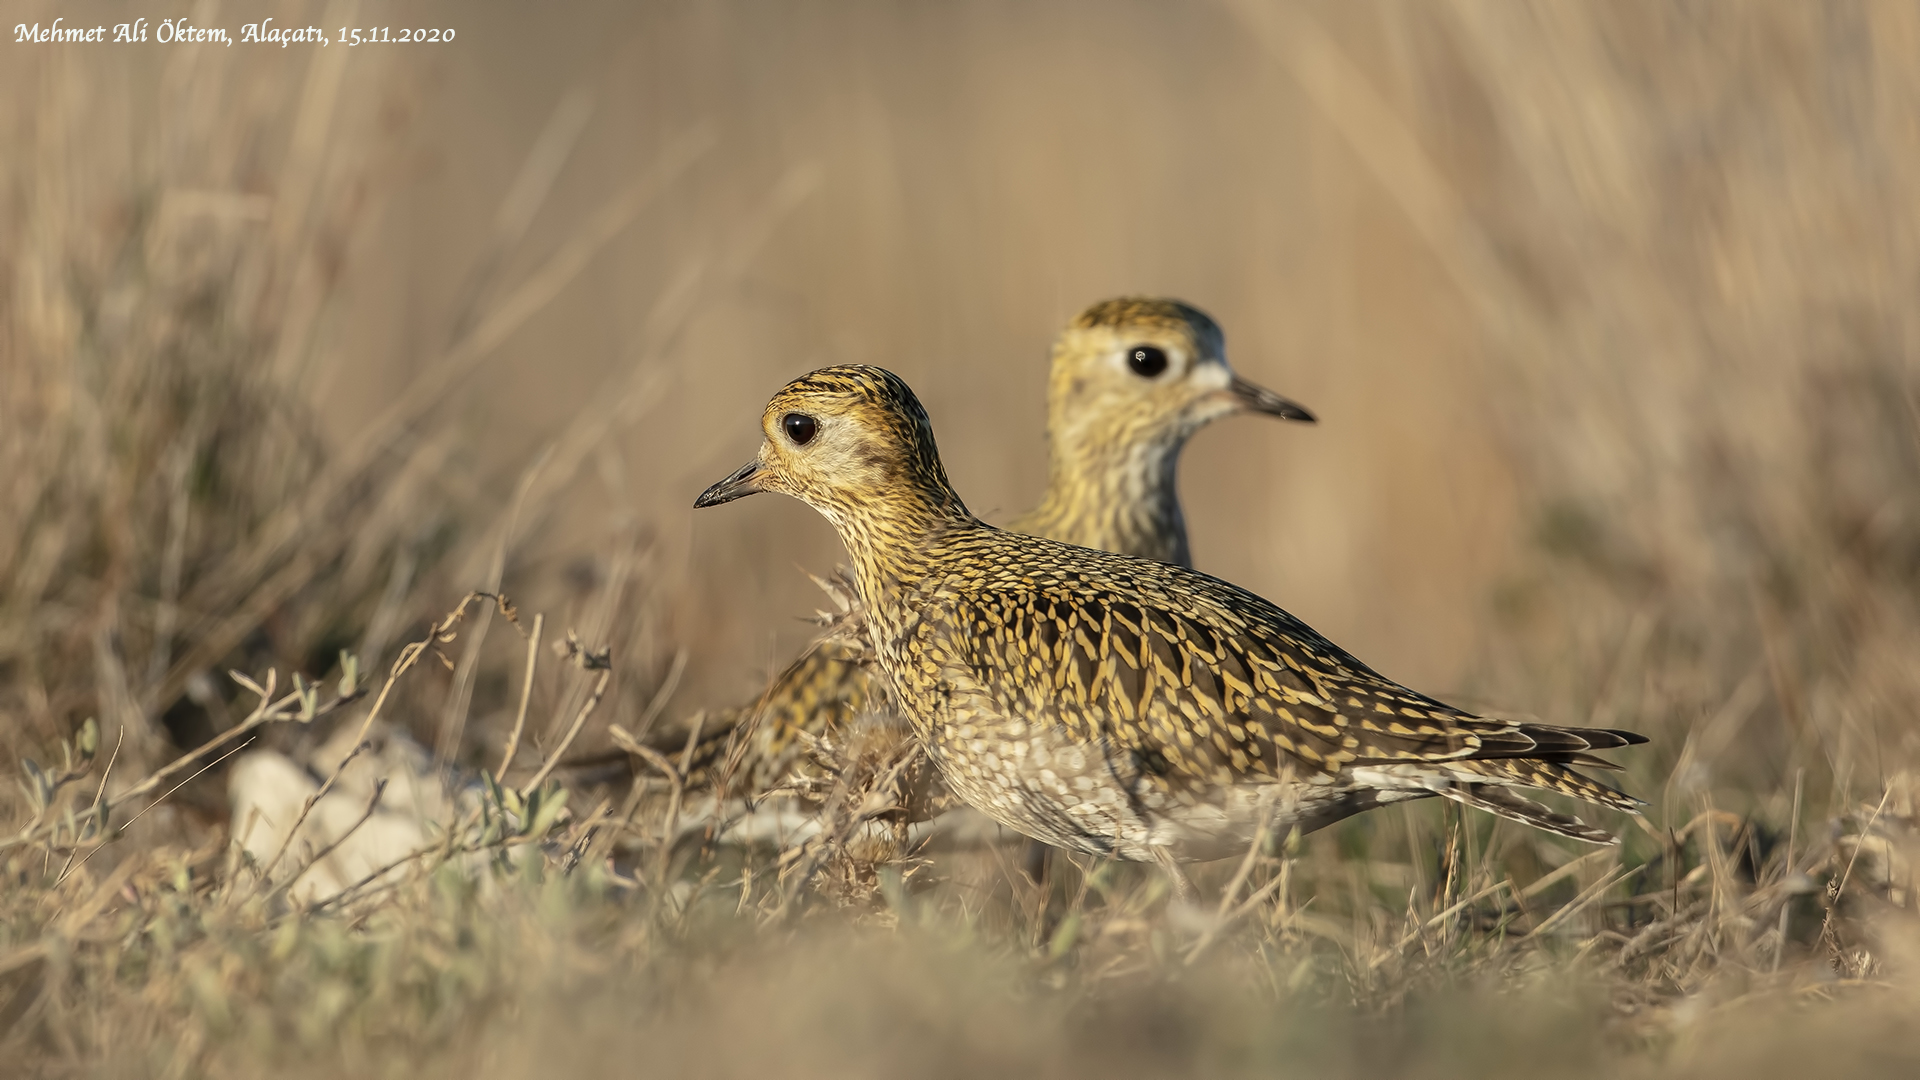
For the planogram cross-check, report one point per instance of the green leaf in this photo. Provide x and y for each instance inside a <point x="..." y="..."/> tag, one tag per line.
<point x="552" y="800"/>
<point x="349" y="673"/>
<point x="1064" y="936"/>
<point x="42" y="789"/>
<point x="309" y="694"/>
<point x="252" y="686"/>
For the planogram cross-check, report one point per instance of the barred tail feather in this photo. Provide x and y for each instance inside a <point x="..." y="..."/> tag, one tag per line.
<point x="1502" y="802"/>
<point x="1550" y="776"/>
<point x="1490" y="785"/>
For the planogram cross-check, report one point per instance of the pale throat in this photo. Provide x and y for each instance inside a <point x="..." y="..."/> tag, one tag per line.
<point x="1116" y="494"/>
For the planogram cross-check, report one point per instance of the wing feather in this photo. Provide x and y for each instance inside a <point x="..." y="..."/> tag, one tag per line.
<point x="1214" y="681"/>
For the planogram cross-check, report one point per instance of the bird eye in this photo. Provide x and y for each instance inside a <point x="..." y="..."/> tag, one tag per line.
<point x="799" y="427"/>
<point x="1146" y="361"/>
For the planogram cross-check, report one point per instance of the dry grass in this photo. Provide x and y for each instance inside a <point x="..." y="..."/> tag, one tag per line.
<point x="1609" y="313"/>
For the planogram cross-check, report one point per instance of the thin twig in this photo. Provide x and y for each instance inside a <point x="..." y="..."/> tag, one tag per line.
<point x="676" y="778"/>
<point x="579" y="721"/>
<point x="1233" y="887"/>
<point x="440" y="633"/>
<point x="1247" y="907"/>
<point x="662" y="695"/>
<point x="416" y="854"/>
<point x="829" y="840"/>
<point x="453" y="721"/>
<point x="379" y="789"/>
<point x="1786" y="906"/>
<point x="526" y="696"/>
<point x="98" y="795"/>
<point x="1440" y="919"/>
<point x="523" y="200"/>
<point x="1246" y="863"/>
<point x="678" y="797"/>
<point x="1580" y="902"/>
<point x="143" y="810"/>
<point x="1858" y="844"/>
<point x="306" y="808"/>
<point x="267" y="711"/>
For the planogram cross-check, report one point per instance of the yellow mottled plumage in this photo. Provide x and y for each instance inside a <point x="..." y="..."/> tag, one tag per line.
<point x="1115" y="705"/>
<point x="1132" y="379"/>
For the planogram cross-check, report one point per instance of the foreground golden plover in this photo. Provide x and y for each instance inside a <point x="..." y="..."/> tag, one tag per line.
<point x="1132" y="380"/>
<point x="1114" y="705"/>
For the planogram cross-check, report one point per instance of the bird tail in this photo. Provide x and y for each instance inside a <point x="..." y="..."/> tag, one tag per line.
<point x="1492" y="780"/>
<point x="1501" y="802"/>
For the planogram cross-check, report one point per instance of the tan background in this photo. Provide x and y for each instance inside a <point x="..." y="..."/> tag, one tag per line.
<point x="978" y="176"/>
<point x="1606" y="311"/>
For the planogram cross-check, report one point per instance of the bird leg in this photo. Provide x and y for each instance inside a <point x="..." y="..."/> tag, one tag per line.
<point x="1036" y="863"/>
<point x="1183" y="889"/>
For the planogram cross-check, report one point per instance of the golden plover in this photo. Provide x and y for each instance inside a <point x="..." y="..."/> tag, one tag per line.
<point x="1114" y="705"/>
<point x="1132" y="379"/>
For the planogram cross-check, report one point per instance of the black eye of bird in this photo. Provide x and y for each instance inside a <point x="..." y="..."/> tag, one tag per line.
<point x="1147" y="361"/>
<point x="799" y="427"/>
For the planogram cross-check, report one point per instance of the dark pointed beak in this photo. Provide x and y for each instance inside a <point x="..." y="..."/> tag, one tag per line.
<point x="1262" y="400"/>
<point x="738" y="486"/>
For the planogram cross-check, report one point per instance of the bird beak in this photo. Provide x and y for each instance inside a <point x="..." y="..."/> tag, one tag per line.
<point x="737" y="486"/>
<point x="1259" y="399"/>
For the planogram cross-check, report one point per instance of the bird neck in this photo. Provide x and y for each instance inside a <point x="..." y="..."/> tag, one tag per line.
<point x="1115" y="493"/>
<point x="888" y="536"/>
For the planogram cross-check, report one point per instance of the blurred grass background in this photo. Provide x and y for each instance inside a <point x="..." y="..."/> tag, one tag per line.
<point x="1607" y="311"/>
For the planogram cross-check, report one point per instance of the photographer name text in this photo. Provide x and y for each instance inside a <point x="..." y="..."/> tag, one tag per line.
<point x="184" y="32"/>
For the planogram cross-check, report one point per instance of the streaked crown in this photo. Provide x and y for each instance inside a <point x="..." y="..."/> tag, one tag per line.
<point x="855" y="443"/>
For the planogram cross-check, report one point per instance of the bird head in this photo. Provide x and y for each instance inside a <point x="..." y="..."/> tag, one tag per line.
<point x="854" y="443"/>
<point x="1146" y="372"/>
